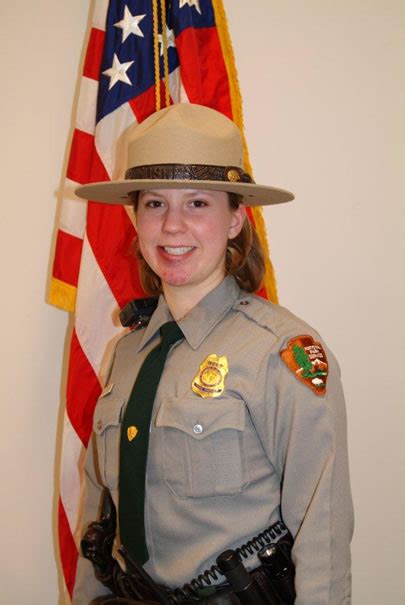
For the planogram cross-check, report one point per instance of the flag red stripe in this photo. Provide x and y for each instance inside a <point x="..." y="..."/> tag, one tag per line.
<point x="143" y="105"/>
<point x="94" y="54"/>
<point x="68" y="550"/>
<point x="203" y="69"/>
<point x="111" y="236"/>
<point x="83" y="390"/>
<point x="85" y="165"/>
<point x="110" y="231"/>
<point x="68" y="251"/>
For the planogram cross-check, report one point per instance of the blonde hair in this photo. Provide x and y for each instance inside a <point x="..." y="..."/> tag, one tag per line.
<point x="244" y="257"/>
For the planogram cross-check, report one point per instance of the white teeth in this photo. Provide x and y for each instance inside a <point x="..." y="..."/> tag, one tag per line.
<point x="177" y="250"/>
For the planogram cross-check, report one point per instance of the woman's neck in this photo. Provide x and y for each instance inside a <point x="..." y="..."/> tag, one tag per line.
<point x="181" y="299"/>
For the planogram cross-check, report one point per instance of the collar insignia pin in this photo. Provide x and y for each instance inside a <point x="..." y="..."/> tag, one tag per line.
<point x="132" y="432"/>
<point x="210" y="379"/>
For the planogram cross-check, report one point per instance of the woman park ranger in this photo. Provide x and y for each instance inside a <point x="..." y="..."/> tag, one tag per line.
<point x="222" y="424"/>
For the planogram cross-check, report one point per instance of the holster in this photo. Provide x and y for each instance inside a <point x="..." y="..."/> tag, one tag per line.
<point x="97" y="542"/>
<point x="96" y="545"/>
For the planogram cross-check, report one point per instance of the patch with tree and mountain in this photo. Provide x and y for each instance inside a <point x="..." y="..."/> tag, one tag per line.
<point x="306" y="358"/>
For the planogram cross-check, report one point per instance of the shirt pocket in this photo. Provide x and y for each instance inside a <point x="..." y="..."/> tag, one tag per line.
<point x="203" y="446"/>
<point x="107" y="427"/>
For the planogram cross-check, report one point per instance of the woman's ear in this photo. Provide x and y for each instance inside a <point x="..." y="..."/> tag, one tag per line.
<point x="238" y="218"/>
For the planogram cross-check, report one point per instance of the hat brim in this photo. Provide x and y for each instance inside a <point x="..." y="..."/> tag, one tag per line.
<point x="117" y="192"/>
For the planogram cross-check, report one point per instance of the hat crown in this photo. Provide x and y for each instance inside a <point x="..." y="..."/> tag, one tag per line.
<point x="180" y="147"/>
<point x="185" y="133"/>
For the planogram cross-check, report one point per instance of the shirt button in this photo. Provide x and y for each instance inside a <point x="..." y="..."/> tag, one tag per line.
<point x="99" y="425"/>
<point x="244" y="302"/>
<point x="198" y="429"/>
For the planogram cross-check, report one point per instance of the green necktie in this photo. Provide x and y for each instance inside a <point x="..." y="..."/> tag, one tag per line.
<point x="134" y="444"/>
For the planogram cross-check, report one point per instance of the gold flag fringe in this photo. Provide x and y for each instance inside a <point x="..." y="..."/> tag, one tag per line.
<point x="236" y="102"/>
<point x="62" y="295"/>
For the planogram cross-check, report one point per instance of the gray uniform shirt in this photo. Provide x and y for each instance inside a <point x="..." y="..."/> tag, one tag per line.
<point x="220" y="470"/>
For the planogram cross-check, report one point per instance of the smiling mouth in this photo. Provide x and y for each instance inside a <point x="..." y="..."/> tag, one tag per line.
<point x="177" y="250"/>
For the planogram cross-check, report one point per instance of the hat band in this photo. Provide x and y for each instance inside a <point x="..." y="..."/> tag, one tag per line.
<point x="188" y="172"/>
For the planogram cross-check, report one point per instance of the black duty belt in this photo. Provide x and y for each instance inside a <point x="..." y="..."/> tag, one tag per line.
<point x="276" y="533"/>
<point x="227" y="582"/>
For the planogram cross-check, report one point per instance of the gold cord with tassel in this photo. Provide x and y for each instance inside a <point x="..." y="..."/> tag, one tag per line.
<point x="165" y="53"/>
<point x="156" y="57"/>
<point x="156" y="53"/>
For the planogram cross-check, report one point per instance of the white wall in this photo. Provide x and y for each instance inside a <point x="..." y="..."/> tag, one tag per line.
<point x="324" y="88"/>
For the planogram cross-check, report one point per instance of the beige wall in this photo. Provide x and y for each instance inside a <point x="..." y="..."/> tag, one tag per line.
<point x="324" y="88"/>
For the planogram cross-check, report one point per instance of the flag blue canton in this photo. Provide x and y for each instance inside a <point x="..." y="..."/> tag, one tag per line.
<point x="138" y="48"/>
<point x="188" y="16"/>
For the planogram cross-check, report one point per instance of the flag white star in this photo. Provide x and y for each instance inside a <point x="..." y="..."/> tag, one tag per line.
<point x="118" y="72"/>
<point x="130" y="24"/>
<point x="195" y="3"/>
<point x="169" y="38"/>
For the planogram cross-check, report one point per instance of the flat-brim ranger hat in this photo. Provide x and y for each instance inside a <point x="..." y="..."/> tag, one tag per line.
<point x="185" y="146"/>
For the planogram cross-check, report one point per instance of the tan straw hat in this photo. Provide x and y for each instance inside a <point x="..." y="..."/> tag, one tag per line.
<point x="185" y="146"/>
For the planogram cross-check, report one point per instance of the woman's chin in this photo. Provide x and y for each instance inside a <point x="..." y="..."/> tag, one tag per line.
<point x="175" y="278"/>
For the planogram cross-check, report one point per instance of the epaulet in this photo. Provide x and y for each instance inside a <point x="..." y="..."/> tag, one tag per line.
<point x="271" y="316"/>
<point x="299" y="345"/>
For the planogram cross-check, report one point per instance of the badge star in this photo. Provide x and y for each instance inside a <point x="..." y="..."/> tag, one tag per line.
<point x="169" y="39"/>
<point x="130" y="24"/>
<point x="118" y="72"/>
<point x="195" y="3"/>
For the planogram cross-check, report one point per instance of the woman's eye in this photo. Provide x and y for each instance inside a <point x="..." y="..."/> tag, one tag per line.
<point x="198" y="203"/>
<point x="153" y="204"/>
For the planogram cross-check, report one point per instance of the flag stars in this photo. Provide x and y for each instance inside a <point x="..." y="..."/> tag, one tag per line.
<point x="195" y="3"/>
<point x="169" y="39"/>
<point x="130" y="24"/>
<point x="118" y="72"/>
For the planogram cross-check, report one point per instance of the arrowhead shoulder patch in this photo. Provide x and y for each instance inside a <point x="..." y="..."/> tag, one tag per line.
<point x="307" y="360"/>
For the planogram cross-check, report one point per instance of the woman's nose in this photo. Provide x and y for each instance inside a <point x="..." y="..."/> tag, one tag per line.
<point x="174" y="221"/>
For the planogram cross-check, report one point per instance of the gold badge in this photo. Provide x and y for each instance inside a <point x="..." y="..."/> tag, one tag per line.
<point x="132" y="432"/>
<point x="209" y="381"/>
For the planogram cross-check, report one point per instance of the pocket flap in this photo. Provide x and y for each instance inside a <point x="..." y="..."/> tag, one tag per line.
<point x="202" y="418"/>
<point x="107" y="413"/>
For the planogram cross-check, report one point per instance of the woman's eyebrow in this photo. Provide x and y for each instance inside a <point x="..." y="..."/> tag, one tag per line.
<point x="150" y="191"/>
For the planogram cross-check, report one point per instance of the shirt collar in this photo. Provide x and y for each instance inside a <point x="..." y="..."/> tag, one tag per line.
<point x="160" y="316"/>
<point x="202" y="318"/>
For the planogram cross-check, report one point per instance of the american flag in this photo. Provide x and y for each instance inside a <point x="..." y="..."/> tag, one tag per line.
<point x="94" y="272"/>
